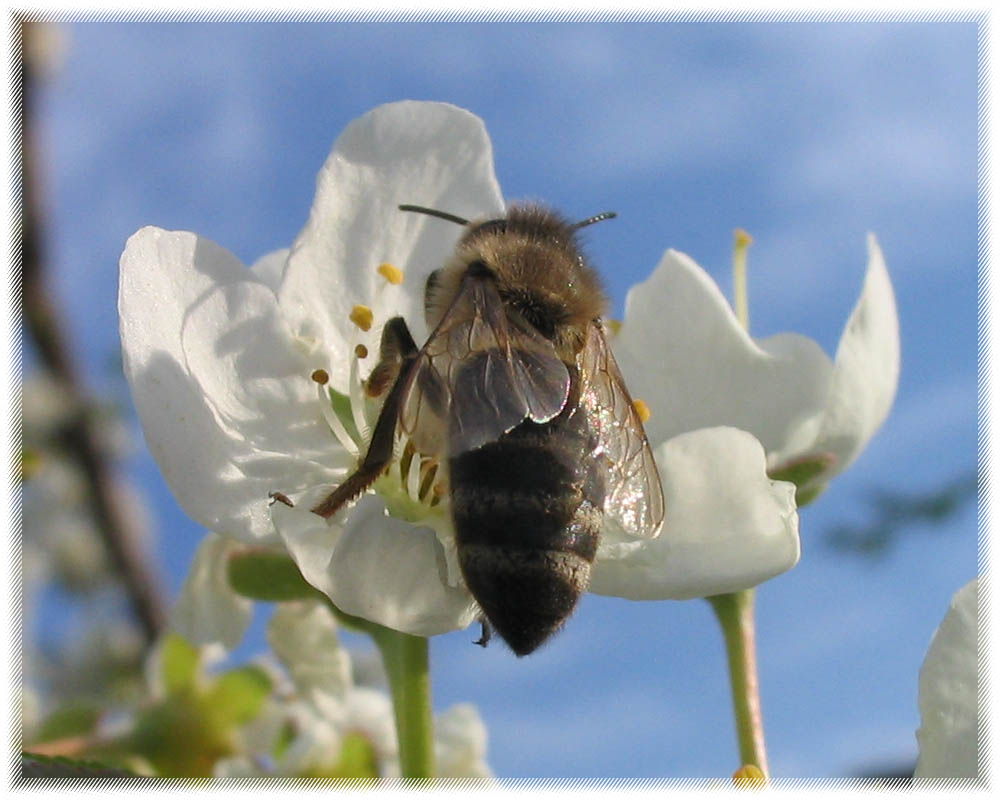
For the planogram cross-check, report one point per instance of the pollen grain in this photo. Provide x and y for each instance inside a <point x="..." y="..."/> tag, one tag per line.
<point x="391" y="273"/>
<point x="362" y="316"/>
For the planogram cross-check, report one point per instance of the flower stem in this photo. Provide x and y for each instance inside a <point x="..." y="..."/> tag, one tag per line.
<point x="735" y="614"/>
<point x="408" y="667"/>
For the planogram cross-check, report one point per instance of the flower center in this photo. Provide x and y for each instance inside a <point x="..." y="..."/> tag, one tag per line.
<point x="413" y="484"/>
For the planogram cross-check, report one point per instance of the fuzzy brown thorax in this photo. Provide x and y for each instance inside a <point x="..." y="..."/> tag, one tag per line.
<point x="540" y="273"/>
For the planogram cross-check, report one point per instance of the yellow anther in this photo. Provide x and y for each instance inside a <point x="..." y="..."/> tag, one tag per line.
<point x="642" y="409"/>
<point x="391" y="273"/>
<point x="749" y="776"/>
<point x="613" y="325"/>
<point x="321" y="376"/>
<point x="741" y="238"/>
<point x="361" y="351"/>
<point x="362" y="316"/>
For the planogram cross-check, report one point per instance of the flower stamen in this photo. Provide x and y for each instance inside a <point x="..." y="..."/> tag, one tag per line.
<point x="741" y="305"/>
<point x="362" y="316"/>
<point x="413" y="478"/>
<point x="326" y="406"/>
<point x="391" y="273"/>
<point x="356" y="394"/>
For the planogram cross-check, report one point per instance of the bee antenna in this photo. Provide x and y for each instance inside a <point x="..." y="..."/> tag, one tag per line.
<point x="596" y="218"/>
<point x="434" y="213"/>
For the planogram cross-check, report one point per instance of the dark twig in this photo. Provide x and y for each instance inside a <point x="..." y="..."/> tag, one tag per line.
<point x="42" y="322"/>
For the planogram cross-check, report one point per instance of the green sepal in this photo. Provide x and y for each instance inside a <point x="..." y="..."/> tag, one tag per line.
<point x="804" y="472"/>
<point x="269" y="577"/>
<point x="804" y="497"/>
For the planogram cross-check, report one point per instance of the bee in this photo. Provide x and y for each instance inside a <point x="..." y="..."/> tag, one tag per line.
<point x="517" y="391"/>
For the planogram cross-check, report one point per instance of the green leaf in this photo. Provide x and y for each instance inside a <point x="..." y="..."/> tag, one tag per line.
<point x="236" y="696"/>
<point x="75" y="719"/>
<point x="179" y="661"/>
<point x="268" y="576"/>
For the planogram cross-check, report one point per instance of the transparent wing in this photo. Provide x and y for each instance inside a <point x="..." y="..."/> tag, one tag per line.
<point x="480" y="374"/>
<point x="634" y="499"/>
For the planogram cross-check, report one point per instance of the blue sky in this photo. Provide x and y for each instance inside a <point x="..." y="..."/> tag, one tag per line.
<point x="807" y="135"/>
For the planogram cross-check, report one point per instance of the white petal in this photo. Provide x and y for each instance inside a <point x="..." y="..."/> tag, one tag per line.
<point x="376" y="567"/>
<point x="270" y="268"/>
<point x="430" y="154"/>
<point x="727" y="526"/>
<point x="304" y="638"/>
<point x="682" y="350"/>
<point x="866" y="370"/>
<point x="208" y="610"/>
<point x="949" y="693"/>
<point x="226" y="404"/>
<point x="370" y="712"/>
<point x="460" y="743"/>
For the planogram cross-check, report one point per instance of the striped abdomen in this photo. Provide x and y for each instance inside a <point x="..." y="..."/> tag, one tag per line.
<point x="528" y="511"/>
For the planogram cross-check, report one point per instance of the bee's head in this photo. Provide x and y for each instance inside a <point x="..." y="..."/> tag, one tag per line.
<point x="540" y="272"/>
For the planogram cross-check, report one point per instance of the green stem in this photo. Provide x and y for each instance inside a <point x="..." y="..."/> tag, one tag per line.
<point x="408" y="667"/>
<point x="735" y="615"/>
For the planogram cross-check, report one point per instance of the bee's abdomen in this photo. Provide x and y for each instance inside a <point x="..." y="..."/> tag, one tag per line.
<point x="528" y="510"/>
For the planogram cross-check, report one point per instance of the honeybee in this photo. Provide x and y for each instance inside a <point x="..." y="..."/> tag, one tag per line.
<point x="517" y="391"/>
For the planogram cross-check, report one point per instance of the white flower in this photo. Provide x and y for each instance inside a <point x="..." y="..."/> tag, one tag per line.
<point x="208" y="611"/>
<point x="949" y="693"/>
<point x="682" y="344"/>
<point x="224" y="364"/>
<point x="325" y="706"/>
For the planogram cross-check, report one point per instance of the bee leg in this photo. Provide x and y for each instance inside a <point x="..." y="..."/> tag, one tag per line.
<point x="398" y="352"/>
<point x="486" y="632"/>
<point x="396" y="348"/>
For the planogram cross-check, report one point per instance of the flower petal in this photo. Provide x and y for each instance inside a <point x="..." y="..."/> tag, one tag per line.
<point x="460" y="743"/>
<point x="866" y="369"/>
<point x="225" y="402"/>
<point x="949" y="693"/>
<point x="430" y="154"/>
<point x="727" y="526"/>
<point x="682" y="350"/>
<point x="304" y="638"/>
<point x="208" y="610"/>
<point x="376" y="567"/>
